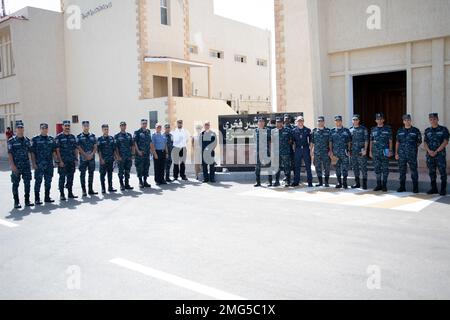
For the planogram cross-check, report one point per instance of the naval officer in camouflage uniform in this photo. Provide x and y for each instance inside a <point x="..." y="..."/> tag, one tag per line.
<point x="43" y="154"/>
<point x="19" y="148"/>
<point x="409" y="139"/>
<point x="125" y="150"/>
<point x="436" y="142"/>
<point x="360" y="145"/>
<point x="262" y="141"/>
<point x="143" y="141"/>
<point x="283" y="137"/>
<point x="107" y="154"/>
<point x="301" y="137"/>
<point x="87" y="148"/>
<point x="66" y="148"/>
<point x="381" y="151"/>
<point x="321" y="151"/>
<point x="341" y="144"/>
<point x="169" y="141"/>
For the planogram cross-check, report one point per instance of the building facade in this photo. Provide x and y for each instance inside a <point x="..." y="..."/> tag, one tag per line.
<point x="114" y="60"/>
<point x="364" y="56"/>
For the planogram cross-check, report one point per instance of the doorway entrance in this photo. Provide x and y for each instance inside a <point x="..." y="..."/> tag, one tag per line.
<point x="383" y="92"/>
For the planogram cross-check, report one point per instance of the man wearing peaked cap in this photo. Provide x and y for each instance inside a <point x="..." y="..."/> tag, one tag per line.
<point x="66" y="149"/>
<point x="436" y="142"/>
<point x="107" y="154"/>
<point x="321" y="151"/>
<point x="87" y="148"/>
<point x="142" y="143"/>
<point x="301" y="137"/>
<point x="43" y="154"/>
<point x="360" y="146"/>
<point x="125" y="150"/>
<point x="19" y="148"/>
<point x="341" y="141"/>
<point x="409" y="139"/>
<point x="381" y="151"/>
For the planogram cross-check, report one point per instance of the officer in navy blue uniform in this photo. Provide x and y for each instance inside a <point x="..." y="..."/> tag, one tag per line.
<point x="19" y="148"/>
<point x="87" y="148"/>
<point x="107" y="154"/>
<point x="143" y="141"/>
<point x="301" y="137"/>
<point x="66" y="149"/>
<point x="209" y="144"/>
<point x="380" y="151"/>
<point x="125" y="151"/>
<point x="436" y="142"/>
<point x="43" y="154"/>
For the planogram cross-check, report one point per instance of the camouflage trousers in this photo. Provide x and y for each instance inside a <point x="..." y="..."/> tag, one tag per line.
<point x="342" y="166"/>
<point x="359" y="166"/>
<point x="22" y="173"/>
<point x="381" y="164"/>
<point x="88" y="166"/>
<point x="404" y="162"/>
<point x="322" y="162"/>
<point x="43" y="172"/>
<point x="438" y="163"/>
<point x="66" y="175"/>
<point x="142" y="166"/>
<point x="125" y="168"/>
<point x="285" y="166"/>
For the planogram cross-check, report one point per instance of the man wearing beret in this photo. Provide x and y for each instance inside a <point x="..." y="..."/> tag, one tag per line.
<point x="43" y="153"/>
<point x="66" y="149"/>
<point x="409" y="139"/>
<point x="19" y="148"/>
<point x="436" y="142"/>
<point x="380" y="151"/>
<point x="87" y="148"/>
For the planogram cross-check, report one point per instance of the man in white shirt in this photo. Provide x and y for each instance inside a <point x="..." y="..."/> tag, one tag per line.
<point x="179" y="154"/>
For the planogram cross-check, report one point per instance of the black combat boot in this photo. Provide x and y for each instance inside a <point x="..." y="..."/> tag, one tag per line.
<point x="141" y="183"/>
<point x="62" y="196"/>
<point x="379" y="187"/>
<point x="364" y="185"/>
<point x="17" y="202"/>
<point x="339" y="185"/>
<point x="91" y="190"/>
<point x="127" y="185"/>
<point x="47" y="198"/>
<point x="443" y="188"/>
<point x="434" y="189"/>
<point x="27" y="201"/>
<point x="415" y="186"/>
<point x="258" y="182"/>
<point x="147" y="185"/>
<point x="71" y="195"/>
<point x="402" y="187"/>
<point x="327" y="182"/>
<point x="270" y="184"/>
<point x="320" y="184"/>
<point x="344" y="183"/>
<point x="357" y="184"/>
<point x="83" y="191"/>
<point x="288" y="182"/>
<point x="110" y="187"/>
<point x="122" y="185"/>
<point x="384" y="187"/>
<point x="103" y="187"/>
<point x="37" y="199"/>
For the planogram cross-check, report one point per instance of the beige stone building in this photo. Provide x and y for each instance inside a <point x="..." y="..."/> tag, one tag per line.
<point x="124" y="60"/>
<point x="364" y="56"/>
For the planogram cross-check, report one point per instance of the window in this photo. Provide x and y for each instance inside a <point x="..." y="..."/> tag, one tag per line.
<point x="2" y="125"/>
<point x="153" y="115"/>
<point x="240" y="59"/>
<point x="6" y="57"/>
<point x="193" y="49"/>
<point x="261" y="62"/>
<point x="165" y="12"/>
<point x="217" y="54"/>
<point x="75" y="119"/>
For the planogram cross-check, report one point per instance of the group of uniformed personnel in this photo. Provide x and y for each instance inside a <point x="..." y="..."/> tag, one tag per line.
<point x="69" y="153"/>
<point x="351" y="149"/>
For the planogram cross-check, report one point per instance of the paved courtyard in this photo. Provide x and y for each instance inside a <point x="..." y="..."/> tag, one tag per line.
<point x="226" y="241"/>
